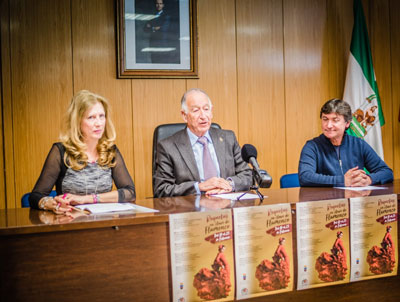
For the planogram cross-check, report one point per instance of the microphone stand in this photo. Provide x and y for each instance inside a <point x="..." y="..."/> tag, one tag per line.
<point x="254" y="187"/>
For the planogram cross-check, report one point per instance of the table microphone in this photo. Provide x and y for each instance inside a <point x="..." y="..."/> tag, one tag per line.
<point x="261" y="177"/>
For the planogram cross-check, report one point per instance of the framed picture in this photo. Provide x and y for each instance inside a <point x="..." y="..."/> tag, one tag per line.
<point x="157" y="38"/>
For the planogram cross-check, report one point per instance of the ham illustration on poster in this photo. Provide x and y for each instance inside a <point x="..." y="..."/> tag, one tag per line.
<point x="373" y="237"/>
<point x="202" y="260"/>
<point x="322" y="243"/>
<point x="263" y="250"/>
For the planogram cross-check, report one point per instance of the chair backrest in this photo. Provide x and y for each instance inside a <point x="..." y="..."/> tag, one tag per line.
<point x="164" y="131"/>
<point x="25" y="199"/>
<point x="290" y="181"/>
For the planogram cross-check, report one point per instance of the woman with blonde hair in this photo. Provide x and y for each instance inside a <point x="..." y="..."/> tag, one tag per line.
<point x="86" y="161"/>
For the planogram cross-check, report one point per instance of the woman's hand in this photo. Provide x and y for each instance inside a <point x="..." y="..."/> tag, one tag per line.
<point x="72" y="199"/>
<point x="51" y="218"/>
<point x="48" y="217"/>
<point x="56" y="205"/>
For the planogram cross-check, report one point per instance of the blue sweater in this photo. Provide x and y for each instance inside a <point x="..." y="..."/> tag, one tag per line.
<point x="320" y="165"/>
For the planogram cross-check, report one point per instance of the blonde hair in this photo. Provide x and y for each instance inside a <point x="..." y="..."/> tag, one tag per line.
<point x="75" y="156"/>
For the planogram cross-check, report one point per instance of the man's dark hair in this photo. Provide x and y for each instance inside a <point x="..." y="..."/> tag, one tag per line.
<point x="337" y="106"/>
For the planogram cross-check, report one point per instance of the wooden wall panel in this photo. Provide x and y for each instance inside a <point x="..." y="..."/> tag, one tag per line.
<point x="340" y="26"/>
<point x="41" y="83"/>
<point x="155" y="102"/>
<point x="217" y="59"/>
<point x="2" y="175"/>
<point x="380" y="39"/>
<point x="260" y="65"/>
<point x="395" y="73"/>
<point x="92" y="46"/>
<point x="6" y="143"/>
<point x="306" y="73"/>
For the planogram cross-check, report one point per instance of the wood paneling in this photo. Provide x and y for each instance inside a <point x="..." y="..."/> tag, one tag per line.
<point x="268" y="66"/>
<point x="217" y="61"/>
<point x="2" y="176"/>
<point x="128" y="264"/>
<point x="41" y="63"/>
<point x="155" y="102"/>
<point x="260" y="67"/>
<point x="93" y="34"/>
<point x="6" y="116"/>
<point x="340" y="25"/>
<point x="306" y="73"/>
<point x="380" y="39"/>
<point x="395" y="73"/>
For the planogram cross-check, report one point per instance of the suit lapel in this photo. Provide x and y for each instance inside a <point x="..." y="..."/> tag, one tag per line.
<point x="184" y="147"/>
<point x="218" y="139"/>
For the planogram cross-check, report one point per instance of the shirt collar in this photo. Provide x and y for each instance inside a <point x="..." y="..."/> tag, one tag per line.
<point x="193" y="137"/>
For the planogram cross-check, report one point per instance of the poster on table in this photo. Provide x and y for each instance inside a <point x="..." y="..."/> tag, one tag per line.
<point x="322" y="243"/>
<point x="202" y="260"/>
<point x="263" y="250"/>
<point x="373" y="233"/>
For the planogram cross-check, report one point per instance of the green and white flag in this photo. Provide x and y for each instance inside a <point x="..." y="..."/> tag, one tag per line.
<point x="361" y="90"/>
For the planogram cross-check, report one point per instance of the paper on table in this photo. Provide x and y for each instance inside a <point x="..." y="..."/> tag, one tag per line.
<point x="234" y="196"/>
<point x="100" y="208"/>
<point x="361" y="188"/>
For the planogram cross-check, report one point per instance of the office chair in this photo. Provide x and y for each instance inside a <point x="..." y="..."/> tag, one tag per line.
<point x="25" y="199"/>
<point x="290" y="180"/>
<point x="164" y="131"/>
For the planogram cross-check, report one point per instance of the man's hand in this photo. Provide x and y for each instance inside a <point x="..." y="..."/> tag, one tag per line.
<point x="211" y="202"/>
<point x="215" y="184"/>
<point x="217" y="191"/>
<point x="351" y="193"/>
<point x="355" y="177"/>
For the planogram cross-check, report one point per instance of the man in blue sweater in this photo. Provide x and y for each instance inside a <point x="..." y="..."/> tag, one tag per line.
<point x="337" y="159"/>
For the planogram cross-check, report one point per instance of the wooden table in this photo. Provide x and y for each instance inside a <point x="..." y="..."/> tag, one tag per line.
<point x="125" y="257"/>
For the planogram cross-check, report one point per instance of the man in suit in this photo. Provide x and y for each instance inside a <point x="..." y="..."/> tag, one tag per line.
<point x="164" y="33"/>
<point x="199" y="159"/>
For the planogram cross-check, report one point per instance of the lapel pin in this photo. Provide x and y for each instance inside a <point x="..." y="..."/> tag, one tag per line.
<point x="221" y="139"/>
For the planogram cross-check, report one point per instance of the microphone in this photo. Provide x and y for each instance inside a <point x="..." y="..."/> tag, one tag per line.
<point x="261" y="177"/>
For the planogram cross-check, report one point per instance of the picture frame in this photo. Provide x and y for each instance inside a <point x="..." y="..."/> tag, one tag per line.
<point x="157" y="38"/>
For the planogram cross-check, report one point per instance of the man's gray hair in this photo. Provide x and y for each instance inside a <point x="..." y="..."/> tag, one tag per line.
<point x="337" y="106"/>
<point x="183" y="100"/>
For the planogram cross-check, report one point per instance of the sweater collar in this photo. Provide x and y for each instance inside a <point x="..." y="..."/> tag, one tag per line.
<point x="328" y="141"/>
